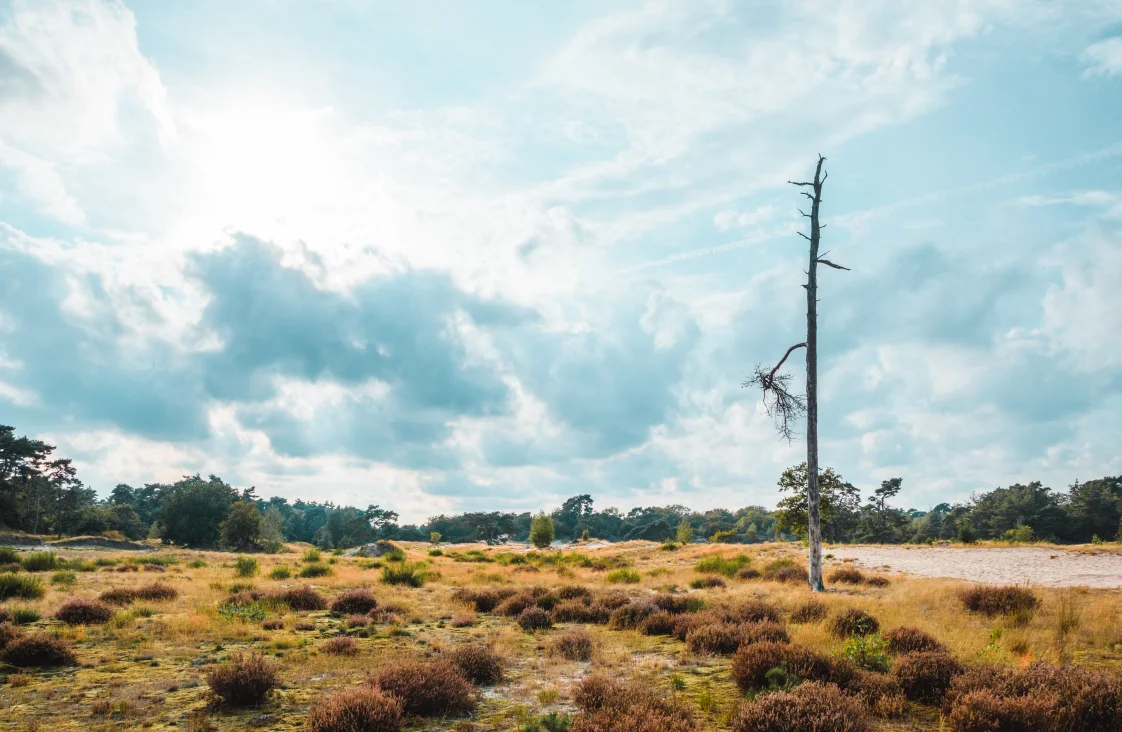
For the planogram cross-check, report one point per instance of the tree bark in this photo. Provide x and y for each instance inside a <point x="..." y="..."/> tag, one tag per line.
<point x="814" y="519"/>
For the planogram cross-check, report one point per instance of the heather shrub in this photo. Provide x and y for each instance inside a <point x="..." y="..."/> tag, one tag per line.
<point x="613" y="600"/>
<point x="609" y="705"/>
<point x="156" y="591"/>
<point x="38" y="651"/>
<point x="118" y="596"/>
<point x="756" y="611"/>
<point x="300" y="599"/>
<point x="534" y="618"/>
<point x="925" y="677"/>
<point x="575" y="611"/>
<point x="8" y="632"/>
<point x="273" y="624"/>
<point x="478" y="663"/>
<point x="748" y="573"/>
<point x="572" y="592"/>
<point x="304" y="625"/>
<point x="361" y="708"/>
<point x="660" y="623"/>
<point x="752" y="663"/>
<point x="764" y="631"/>
<point x="428" y="689"/>
<point x="708" y="582"/>
<point x="673" y="604"/>
<point x="573" y="645"/>
<point x="811" y="706"/>
<point x="462" y="620"/>
<point x="483" y="600"/>
<point x="810" y="611"/>
<point x="245" y="680"/>
<point x="846" y="576"/>
<point x="628" y="617"/>
<point x="357" y="600"/>
<point x="357" y="620"/>
<point x="718" y="639"/>
<point x="5" y="615"/>
<point x="985" y="711"/>
<point x="880" y="693"/>
<point x="340" y="645"/>
<point x="21" y="586"/>
<point x="906" y="639"/>
<point x="993" y="601"/>
<point x="877" y="581"/>
<point x="514" y="605"/>
<point x="79" y="611"/>
<point x="853" y="622"/>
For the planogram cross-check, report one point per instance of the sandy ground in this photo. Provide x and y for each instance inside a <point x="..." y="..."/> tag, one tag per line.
<point x="1015" y="565"/>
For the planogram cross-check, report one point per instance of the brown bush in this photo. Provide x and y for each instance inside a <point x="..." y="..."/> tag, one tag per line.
<point x="993" y="601"/>
<point x="362" y="708"/>
<point x="846" y="576"/>
<point x="613" y="600"/>
<point x="245" y="680"/>
<point x="673" y="604"/>
<point x="791" y="574"/>
<point x="386" y="612"/>
<point x="1058" y="697"/>
<point x="304" y="625"/>
<point x="155" y="568"/>
<point x="8" y="633"/>
<point x="156" y="591"/>
<point x="683" y="624"/>
<point x="572" y="592"/>
<point x="478" y="663"/>
<point x="38" y="651"/>
<point x="810" y="611"/>
<point x="357" y="620"/>
<point x="515" y="604"/>
<point x="911" y="640"/>
<point x="5" y="615"/>
<point x="751" y="663"/>
<point x="301" y="599"/>
<point x="427" y="689"/>
<point x="764" y="631"/>
<point x="881" y="694"/>
<point x="628" y="617"/>
<point x="79" y="611"/>
<point x="462" y="620"/>
<point x="748" y="573"/>
<point x="573" y="645"/>
<point x="118" y="596"/>
<point x="621" y="706"/>
<point x="356" y="601"/>
<point x="925" y="677"/>
<point x="877" y="581"/>
<point x="484" y="599"/>
<point x="853" y="622"/>
<point x="534" y="618"/>
<point x="128" y="568"/>
<point x="340" y="645"/>
<point x="273" y="624"/>
<point x="718" y="639"/>
<point x="660" y="623"/>
<point x="709" y="581"/>
<point x="757" y="611"/>
<point x="811" y="706"/>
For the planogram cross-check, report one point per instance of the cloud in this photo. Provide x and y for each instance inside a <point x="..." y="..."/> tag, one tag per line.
<point x="1104" y="58"/>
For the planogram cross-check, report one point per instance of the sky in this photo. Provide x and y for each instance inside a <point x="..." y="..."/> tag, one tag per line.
<point x="444" y="256"/>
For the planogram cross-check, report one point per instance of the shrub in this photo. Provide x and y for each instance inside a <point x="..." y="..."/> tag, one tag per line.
<point x="623" y="576"/>
<point x="362" y="708"/>
<point x="301" y="599"/>
<point x="719" y="564"/>
<point x="881" y="693"/>
<point x="118" y="596"/>
<point x="25" y="615"/>
<point x="38" y="651"/>
<point x="273" y="624"/>
<point x="707" y="582"/>
<point x="810" y="611"/>
<point x="811" y="706"/>
<point x="756" y="611"/>
<point x="313" y="555"/>
<point x="462" y="620"/>
<point x="719" y="639"/>
<point x="40" y="562"/>
<point x="911" y="640"/>
<point x="315" y="569"/>
<point x="660" y="623"/>
<point x="617" y="706"/>
<point x="628" y="617"/>
<point x="483" y="600"/>
<point x="78" y="611"/>
<point x="197" y="563"/>
<point x="752" y="663"/>
<point x="868" y="652"/>
<point x="357" y="620"/>
<point x="534" y="618"/>
<point x="5" y="615"/>
<point x="154" y="568"/>
<point x="304" y="625"/>
<point x="877" y="581"/>
<point x="576" y="611"/>
<point x="340" y="645"/>
<point x="541" y="531"/>
<point x="983" y="711"/>
<point x="245" y="680"/>
<point x="573" y="645"/>
<point x="357" y="600"/>
<point x="65" y="577"/>
<point x="673" y="604"/>
<point x="748" y="573"/>
<point x="478" y="663"/>
<point x="280" y="572"/>
<point x="8" y="633"/>
<point x="156" y="591"/>
<point x="846" y="576"/>
<point x="21" y="586"/>
<point x="8" y="555"/>
<point x="573" y="592"/>
<point x="764" y="631"/>
<point x="993" y="601"/>
<point x="853" y="622"/>
<point x="514" y="604"/>
<point x="404" y="573"/>
<point x="925" y="677"/>
<point x="427" y="689"/>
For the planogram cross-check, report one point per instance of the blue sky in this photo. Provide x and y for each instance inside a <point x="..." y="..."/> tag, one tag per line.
<point x="446" y="256"/>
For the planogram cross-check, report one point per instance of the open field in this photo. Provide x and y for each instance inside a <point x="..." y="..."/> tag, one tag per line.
<point x="145" y="664"/>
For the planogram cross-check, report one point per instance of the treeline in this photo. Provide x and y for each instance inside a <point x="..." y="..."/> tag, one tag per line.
<point x="42" y="494"/>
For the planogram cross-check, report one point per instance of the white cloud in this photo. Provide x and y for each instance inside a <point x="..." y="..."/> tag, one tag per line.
<point x="1083" y="314"/>
<point x="1104" y="58"/>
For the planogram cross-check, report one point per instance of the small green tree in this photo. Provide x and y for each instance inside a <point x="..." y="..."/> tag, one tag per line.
<point x="434" y="537"/>
<point x="685" y="532"/>
<point x="541" y="531"/>
<point x="242" y="527"/>
<point x="270" y="535"/>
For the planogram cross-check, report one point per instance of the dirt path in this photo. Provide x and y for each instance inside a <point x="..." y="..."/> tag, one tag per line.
<point x="1047" y="567"/>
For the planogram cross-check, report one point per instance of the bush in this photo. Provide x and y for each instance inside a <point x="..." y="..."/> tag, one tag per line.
<point x="5" y="615"/>
<point x="877" y="581"/>
<point x="811" y="706"/>
<point x="911" y="640"/>
<point x="357" y="620"/>
<point x="38" y="651"/>
<point x="810" y="611"/>
<point x="8" y="555"/>
<point x="156" y="591"/>
<point x="40" y="562"/>
<point x="623" y="576"/>
<point x="313" y="555"/>
<point x="751" y="665"/>
<point x="984" y="711"/>
<point x="719" y="639"/>
<point x="868" y="652"/>
<point x="273" y="624"/>
<point x="748" y="573"/>
<point x="315" y="569"/>
<point x="719" y="564"/>
<point x="756" y="611"/>
<point x="628" y="617"/>
<point x="21" y="586"/>
<point x="708" y="582"/>
<point x="245" y="567"/>
<point x="573" y="645"/>
<point x="541" y="531"/>
<point x="245" y="680"/>
<point x="764" y="631"/>
<point x="8" y="632"/>
<point x="660" y="623"/>
<point x="925" y="677"/>
<point x="25" y="615"/>
<point x="853" y="622"/>
<point x="404" y="573"/>
<point x="340" y="645"/>
<point x="881" y="693"/>
<point x="573" y="592"/>
<point x="118" y="596"/>
<point x="362" y="708"/>
<point x="357" y="600"/>
<point x="846" y="576"/>
<point x="993" y="601"/>
<point x="78" y="611"/>
<point x="300" y="599"/>
<point x="616" y="706"/>
<point x="534" y="618"/>
<point x="280" y="572"/>
<point x="478" y="663"/>
<point x="576" y="611"/>
<point x="427" y="689"/>
<point x="484" y="600"/>
<point x="673" y="604"/>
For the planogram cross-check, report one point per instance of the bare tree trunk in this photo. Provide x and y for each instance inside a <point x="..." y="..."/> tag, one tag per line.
<point x="814" y="519"/>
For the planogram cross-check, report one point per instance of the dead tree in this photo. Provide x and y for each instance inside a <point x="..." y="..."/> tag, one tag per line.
<point x="783" y="406"/>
